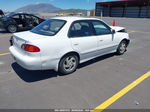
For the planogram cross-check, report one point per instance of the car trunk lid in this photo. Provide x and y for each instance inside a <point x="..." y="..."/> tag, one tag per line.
<point x="29" y="36"/>
<point x="25" y="37"/>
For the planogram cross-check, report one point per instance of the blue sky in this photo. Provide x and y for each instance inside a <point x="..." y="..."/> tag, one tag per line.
<point x="10" y="5"/>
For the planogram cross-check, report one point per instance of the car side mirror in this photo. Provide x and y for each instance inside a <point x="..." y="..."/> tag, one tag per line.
<point x="113" y="31"/>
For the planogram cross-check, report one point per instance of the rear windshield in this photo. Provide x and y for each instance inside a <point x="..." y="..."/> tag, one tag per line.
<point x="49" y="27"/>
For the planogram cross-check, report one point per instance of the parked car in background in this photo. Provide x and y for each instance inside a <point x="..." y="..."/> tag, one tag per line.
<point x="13" y="22"/>
<point x="61" y="43"/>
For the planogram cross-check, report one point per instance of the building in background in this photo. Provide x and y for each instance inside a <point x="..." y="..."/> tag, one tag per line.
<point x="123" y="8"/>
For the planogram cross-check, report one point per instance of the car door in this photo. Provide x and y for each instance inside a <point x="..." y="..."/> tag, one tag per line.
<point x="106" y="39"/>
<point x="83" y="40"/>
<point x="29" y="21"/>
<point x="23" y="21"/>
<point x="35" y="20"/>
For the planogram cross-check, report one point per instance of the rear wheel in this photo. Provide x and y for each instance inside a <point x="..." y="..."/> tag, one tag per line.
<point x="68" y="64"/>
<point x="122" y="47"/>
<point x="12" y="28"/>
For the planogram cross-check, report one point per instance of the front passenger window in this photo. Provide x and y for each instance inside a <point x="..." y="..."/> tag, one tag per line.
<point x="101" y="28"/>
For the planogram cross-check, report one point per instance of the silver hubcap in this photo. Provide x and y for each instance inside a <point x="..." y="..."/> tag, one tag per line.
<point x="69" y="63"/>
<point x="12" y="28"/>
<point x="122" y="48"/>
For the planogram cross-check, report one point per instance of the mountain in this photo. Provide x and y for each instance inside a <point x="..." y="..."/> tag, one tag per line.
<point x="72" y="11"/>
<point x="38" y="8"/>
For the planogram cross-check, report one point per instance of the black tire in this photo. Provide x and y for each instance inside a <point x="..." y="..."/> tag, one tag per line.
<point x="12" y="28"/>
<point x="70" y="67"/>
<point x="122" y="48"/>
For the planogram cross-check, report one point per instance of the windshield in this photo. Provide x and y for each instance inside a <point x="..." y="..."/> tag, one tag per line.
<point x="49" y="27"/>
<point x="10" y="14"/>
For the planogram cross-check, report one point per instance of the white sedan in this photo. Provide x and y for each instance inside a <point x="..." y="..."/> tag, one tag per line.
<point x="61" y="43"/>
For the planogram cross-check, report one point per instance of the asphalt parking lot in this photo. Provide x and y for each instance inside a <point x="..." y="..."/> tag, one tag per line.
<point x="91" y="85"/>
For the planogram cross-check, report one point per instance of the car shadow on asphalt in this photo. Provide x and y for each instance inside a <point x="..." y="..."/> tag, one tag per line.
<point x="34" y="76"/>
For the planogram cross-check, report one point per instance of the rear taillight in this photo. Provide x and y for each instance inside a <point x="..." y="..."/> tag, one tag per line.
<point x="30" y="48"/>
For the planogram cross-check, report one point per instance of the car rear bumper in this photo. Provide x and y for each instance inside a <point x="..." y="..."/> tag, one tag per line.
<point x="27" y="62"/>
<point x="33" y="63"/>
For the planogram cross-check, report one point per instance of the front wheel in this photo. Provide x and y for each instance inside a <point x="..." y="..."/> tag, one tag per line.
<point x="68" y="64"/>
<point x="12" y="28"/>
<point x="122" y="47"/>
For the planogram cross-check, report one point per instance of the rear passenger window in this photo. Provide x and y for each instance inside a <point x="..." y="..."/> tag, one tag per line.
<point x="80" y="29"/>
<point x="101" y="28"/>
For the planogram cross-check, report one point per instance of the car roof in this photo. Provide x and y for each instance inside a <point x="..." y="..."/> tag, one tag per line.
<point x="74" y="18"/>
<point x="14" y="13"/>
